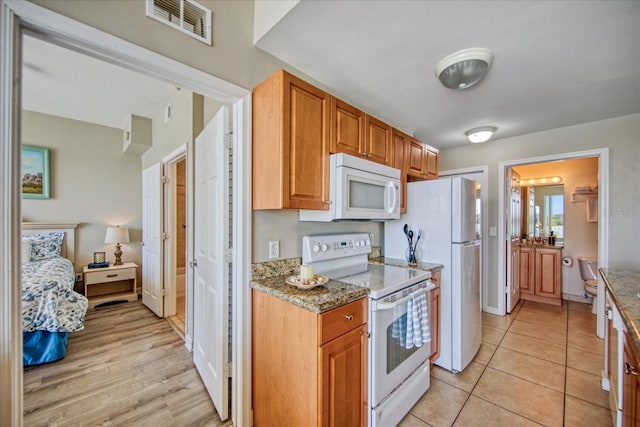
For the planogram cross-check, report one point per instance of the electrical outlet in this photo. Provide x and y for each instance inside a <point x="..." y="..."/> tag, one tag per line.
<point x="78" y="277"/>
<point x="274" y="249"/>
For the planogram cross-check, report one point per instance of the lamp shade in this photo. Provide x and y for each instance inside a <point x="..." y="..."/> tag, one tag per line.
<point x="117" y="235"/>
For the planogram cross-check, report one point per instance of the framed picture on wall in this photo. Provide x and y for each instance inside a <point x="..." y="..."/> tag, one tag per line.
<point x="35" y="172"/>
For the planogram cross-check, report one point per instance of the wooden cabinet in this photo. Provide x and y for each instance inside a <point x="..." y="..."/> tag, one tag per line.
<point x="377" y="140"/>
<point x="290" y="144"/>
<point x="347" y="128"/>
<point x="422" y="161"/>
<point x="527" y="272"/>
<point x="630" y="384"/>
<point x="399" y="143"/>
<point x="308" y="369"/>
<point x="548" y="274"/>
<point x="358" y="134"/>
<point x="114" y="283"/>
<point x="434" y="317"/>
<point x="540" y="274"/>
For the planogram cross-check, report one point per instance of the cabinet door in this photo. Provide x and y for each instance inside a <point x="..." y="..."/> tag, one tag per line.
<point x="548" y="273"/>
<point x="306" y="128"/>
<point x="527" y="271"/>
<point x="434" y="323"/>
<point x="416" y="159"/>
<point x="431" y="164"/>
<point x="399" y="145"/>
<point x="347" y="128"/>
<point x="630" y="384"/>
<point x="377" y="140"/>
<point x="343" y="380"/>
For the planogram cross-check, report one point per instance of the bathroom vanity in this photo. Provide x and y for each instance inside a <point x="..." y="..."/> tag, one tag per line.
<point x="541" y="273"/>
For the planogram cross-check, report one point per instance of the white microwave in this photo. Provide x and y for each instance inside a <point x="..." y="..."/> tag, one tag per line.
<point x="359" y="189"/>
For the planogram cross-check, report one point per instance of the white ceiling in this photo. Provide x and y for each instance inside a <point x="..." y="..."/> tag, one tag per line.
<point x="556" y="64"/>
<point x="64" y="83"/>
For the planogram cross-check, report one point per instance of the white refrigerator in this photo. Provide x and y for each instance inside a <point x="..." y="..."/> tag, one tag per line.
<point x="447" y="211"/>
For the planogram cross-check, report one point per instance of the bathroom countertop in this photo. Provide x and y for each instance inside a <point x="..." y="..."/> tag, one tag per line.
<point x="540" y="245"/>
<point x="624" y="286"/>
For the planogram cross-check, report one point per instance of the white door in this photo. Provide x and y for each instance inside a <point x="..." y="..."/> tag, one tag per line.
<point x="211" y="271"/>
<point x="512" y="218"/>
<point x="152" y="284"/>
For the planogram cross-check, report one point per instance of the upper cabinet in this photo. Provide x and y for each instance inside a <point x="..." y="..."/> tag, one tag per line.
<point x="290" y="144"/>
<point x="358" y="134"/>
<point x="422" y="161"/>
<point x="295" y="128"/>
<point x="399" y="144"/>
<point x="377" y="140"/>
<point x="347" y="128"/>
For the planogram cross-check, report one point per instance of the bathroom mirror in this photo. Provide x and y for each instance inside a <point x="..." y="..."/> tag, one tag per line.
<point x="543" y="210"/>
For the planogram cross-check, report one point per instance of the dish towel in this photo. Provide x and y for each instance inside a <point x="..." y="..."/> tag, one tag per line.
<point x="592" y="210"/>
<point x="418" y="331"/>
<point x="399" y="327"/>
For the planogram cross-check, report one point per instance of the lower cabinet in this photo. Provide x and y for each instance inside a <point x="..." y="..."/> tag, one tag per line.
<point x="540" y="274"/>
<point x="308" y="369"/>
<point x="630" y="384"/>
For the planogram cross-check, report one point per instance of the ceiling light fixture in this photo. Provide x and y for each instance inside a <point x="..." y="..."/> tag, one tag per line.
<point x="464" y="68"/>
<point x="481" y="134"/>
<point x="549" y="180"/>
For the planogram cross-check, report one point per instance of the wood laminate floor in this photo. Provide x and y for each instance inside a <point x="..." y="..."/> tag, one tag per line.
<point x="126" y="368"/>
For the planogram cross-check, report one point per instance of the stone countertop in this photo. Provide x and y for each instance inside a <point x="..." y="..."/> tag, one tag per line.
<point x="540" y="245"/>
<point x="426" y="266"/>
<point x="624" y="286"/>
<point x="318" y="300"/>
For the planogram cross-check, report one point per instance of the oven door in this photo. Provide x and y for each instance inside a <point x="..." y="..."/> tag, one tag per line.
<point x="391" y="361"/>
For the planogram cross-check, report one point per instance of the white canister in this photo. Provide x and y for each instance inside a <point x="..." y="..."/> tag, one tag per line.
<point x="306" y="272"/>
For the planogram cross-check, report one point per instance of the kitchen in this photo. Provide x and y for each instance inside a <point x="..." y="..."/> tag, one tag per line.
<point x="491" y="302"/>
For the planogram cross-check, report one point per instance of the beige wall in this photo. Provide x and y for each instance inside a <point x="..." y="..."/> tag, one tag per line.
<point x="167" y="137"/>
<point x="621" y="135"/>
<point x="92" y="182"/>
<point x="285" y="227"/>
<point x="580" y="236"/>
<point x="232" y="56"/>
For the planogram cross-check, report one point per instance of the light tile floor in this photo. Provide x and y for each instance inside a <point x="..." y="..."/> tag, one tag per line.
<point x="539" y="365"/>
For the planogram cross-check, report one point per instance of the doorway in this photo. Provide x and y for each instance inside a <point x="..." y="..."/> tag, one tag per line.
<point x="176" y="219"/>
<point x="550" y="166"/>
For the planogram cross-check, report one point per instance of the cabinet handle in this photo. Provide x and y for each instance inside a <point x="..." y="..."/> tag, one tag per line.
<point x="366" y="334"/>
<point x="364" y="154"/>
<point x="326" y="202"/>
<point x="349" y="316"/>
<point x="112" y="275"/>
<point x="630" y="370"/>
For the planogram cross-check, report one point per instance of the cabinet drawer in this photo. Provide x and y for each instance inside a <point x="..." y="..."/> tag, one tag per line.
<point x="340" y="320"/>
<point x="110" y="275"/>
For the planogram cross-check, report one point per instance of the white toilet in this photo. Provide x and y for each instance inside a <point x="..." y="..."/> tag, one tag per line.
<point x="588" y="272"/>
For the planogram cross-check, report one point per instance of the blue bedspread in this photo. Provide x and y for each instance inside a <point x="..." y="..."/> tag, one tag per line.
<point x="49" y="302"/>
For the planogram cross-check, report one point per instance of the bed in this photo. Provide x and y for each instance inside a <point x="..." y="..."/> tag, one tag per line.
<point x="51" y="309"/>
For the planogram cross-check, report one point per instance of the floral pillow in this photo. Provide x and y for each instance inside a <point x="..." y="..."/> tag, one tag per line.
<point x="45" y="246"/>
<point x="26" y="250"/>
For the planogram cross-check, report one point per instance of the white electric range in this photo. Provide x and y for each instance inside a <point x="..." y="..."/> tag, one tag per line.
<point x="398" y="376"/>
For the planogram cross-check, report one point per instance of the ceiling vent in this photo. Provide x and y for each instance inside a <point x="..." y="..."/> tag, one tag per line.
<point x="184" y="15"/>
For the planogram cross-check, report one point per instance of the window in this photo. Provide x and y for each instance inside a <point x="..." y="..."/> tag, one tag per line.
<point x="184" y="15"/>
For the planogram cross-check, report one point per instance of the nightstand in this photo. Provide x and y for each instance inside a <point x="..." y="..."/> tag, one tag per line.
<point x="114" y="283"/>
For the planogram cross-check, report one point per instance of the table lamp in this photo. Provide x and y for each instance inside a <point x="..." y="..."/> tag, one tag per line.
<point x="117" y="235"/>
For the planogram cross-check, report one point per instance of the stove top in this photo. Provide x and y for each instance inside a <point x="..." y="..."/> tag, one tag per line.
<point x="381" y="280"/>
<point x="343" y="257"/>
